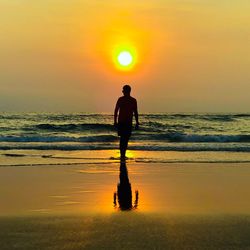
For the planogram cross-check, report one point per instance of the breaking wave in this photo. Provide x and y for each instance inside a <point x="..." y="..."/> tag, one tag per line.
<point x="161" y="137"/>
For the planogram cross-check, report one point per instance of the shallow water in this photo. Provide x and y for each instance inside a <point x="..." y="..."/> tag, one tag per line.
<point x="173" y="188"/>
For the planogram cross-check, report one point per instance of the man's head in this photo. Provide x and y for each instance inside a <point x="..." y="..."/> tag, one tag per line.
<point x="126" y="90"/>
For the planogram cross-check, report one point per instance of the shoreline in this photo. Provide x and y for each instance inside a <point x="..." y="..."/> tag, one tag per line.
<point x="101" y="157"/>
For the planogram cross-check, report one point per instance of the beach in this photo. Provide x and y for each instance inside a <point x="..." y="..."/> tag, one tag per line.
<point x="180" y="206"/>
<point x="185" y="184"/>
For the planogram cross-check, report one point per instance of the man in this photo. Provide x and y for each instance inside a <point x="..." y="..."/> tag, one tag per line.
<point x="127" y="107"/>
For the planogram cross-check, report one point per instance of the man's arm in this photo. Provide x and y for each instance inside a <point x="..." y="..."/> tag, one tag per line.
<point x="136" y="116"/>
<point x="116" y="112"/>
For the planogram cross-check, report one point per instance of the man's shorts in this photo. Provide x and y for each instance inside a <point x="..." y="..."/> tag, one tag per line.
<point x="124" y="129"/>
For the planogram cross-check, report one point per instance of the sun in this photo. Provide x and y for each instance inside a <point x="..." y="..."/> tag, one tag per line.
<point x="125" y="58"/>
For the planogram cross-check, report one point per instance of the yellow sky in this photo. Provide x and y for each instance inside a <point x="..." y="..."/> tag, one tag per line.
<point x="193" y="55"/>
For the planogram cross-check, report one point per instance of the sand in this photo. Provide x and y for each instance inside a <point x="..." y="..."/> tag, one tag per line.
<point x="180" y="206"/>
<point x="125" y="231"/>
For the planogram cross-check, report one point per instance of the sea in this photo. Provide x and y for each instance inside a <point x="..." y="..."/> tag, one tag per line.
<point x="90" y="138"/>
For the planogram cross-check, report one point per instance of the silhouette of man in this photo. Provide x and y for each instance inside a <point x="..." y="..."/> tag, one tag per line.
<point x="127" y="107"/>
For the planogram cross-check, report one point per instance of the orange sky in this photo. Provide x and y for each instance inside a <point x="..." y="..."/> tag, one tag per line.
<point x="193" y="56"/>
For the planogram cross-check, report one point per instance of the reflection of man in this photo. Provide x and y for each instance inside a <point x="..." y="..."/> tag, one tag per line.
<point x="124" y="191"/>
<point x="127" y="107"/>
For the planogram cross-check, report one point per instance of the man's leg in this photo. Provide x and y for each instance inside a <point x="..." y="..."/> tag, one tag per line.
<point x="123" y="145"/>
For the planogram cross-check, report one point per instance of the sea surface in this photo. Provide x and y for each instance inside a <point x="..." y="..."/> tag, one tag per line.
<point x="57" y="138"/>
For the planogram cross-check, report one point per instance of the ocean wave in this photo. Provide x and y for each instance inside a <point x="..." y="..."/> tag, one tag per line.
<point x="98" y="127"/>
<point x="207" y="117"/>
<point x="190" y="138"/>
<point x="137" y="136"/>
<point x="180" y="137"/>
<point x="184" y="116"/>
<point x="94" y="138"/>
<point x="241" y="115"/>
<point x="4" y="129"/>
<point x="105" y="146"/>
<point x="11" y="117"/>
<point x="73" y="127"/>
<point x="161" y="127"/>
<point x="219" y="118"/>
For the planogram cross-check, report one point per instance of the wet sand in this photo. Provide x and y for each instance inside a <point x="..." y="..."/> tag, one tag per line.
<point x="180" y="206"/>
<point x="125" y="231"/>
